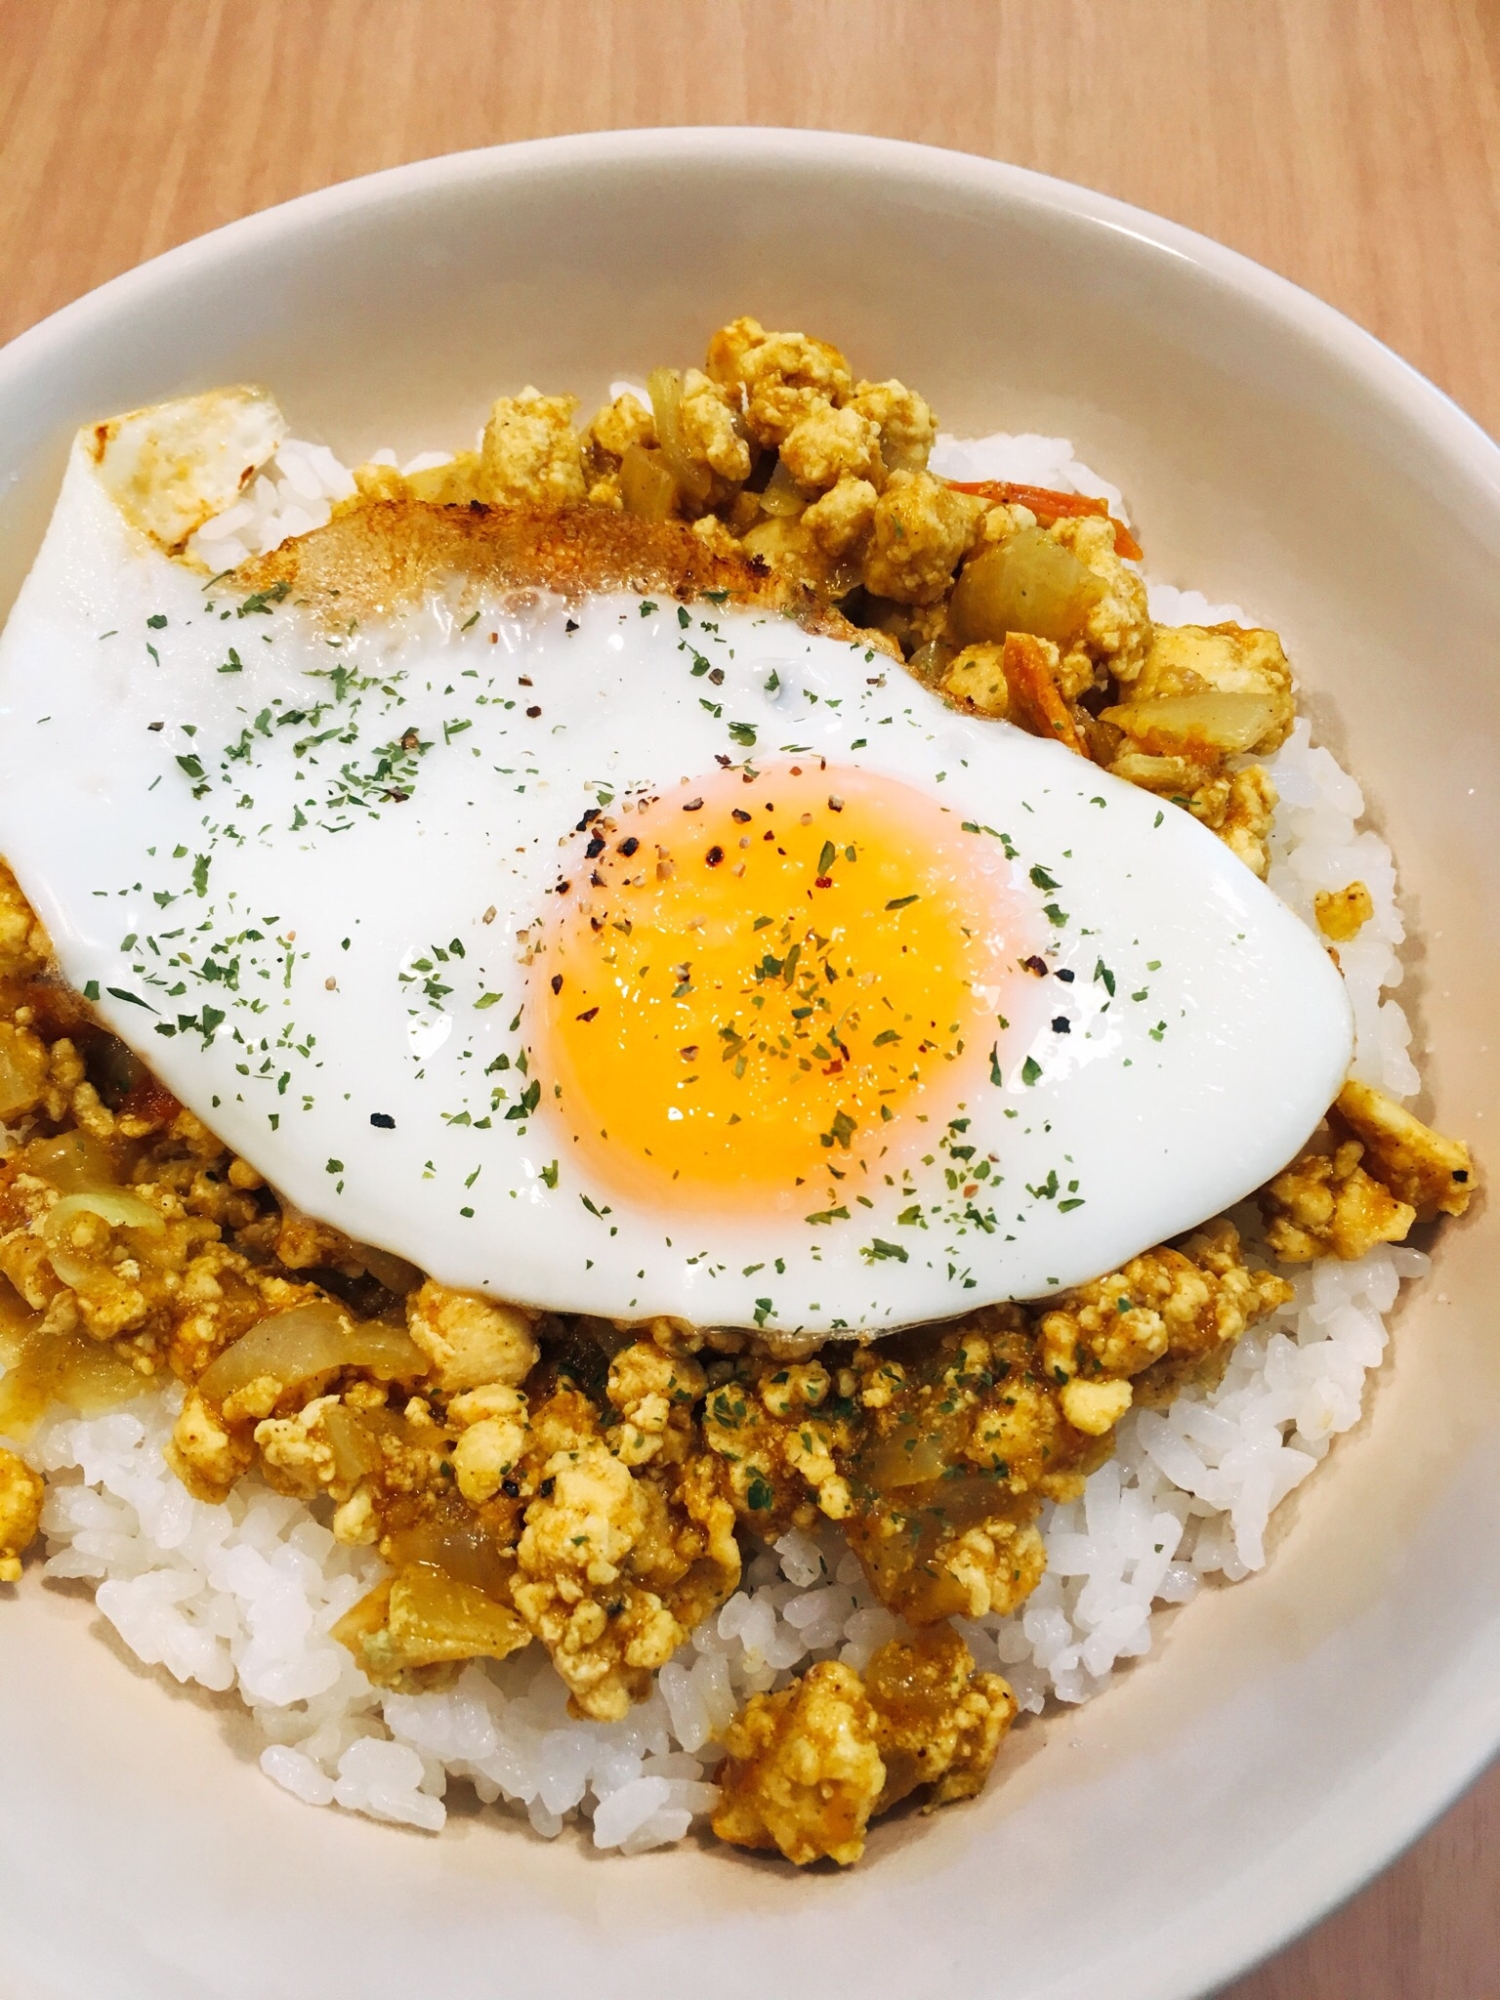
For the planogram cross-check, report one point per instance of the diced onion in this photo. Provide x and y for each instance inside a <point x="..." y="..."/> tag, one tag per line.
<point x="435" y="1617"/>
<point x="23" y="1074"/>
<point x="930" y="662"/>
<point x="647" y="488"/>
<point x="1028" y="584"/>
<point x="454" y="1539"/>
<point x="393" y="1272"/>
<point x="73" y="1162"/>
<point x="694" y="480"/>
<point x="307" y="1341"/>
<point x="116" y="1206"/>
<point x="45" y="1367"/>
<point x="1222" y="721"/>
<point x="352" y="1442"/>
<point x="909" y="1457"/>
<point x="782" y="495"/>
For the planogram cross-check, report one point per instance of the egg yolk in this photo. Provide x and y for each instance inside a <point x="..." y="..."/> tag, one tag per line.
<point x="754" y="983"/>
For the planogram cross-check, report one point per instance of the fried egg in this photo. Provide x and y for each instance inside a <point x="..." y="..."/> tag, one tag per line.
<point x="633" y="955"/>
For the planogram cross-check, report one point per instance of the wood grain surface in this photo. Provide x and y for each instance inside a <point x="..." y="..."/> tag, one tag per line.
<point x="1353" y="145"/>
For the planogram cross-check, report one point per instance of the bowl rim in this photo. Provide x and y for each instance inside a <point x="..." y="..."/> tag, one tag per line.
<point x="1295" y="1887"/>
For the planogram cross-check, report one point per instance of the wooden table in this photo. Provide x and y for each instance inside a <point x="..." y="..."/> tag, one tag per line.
<point x="1352" y="144"/>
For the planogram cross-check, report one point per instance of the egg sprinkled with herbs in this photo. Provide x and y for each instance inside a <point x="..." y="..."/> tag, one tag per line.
<point x="639" y="956"/>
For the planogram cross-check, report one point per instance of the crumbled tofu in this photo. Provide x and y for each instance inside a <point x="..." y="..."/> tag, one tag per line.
<point x="795" y="1387"/>
<point x="622" y="423"/>
<point x="810" y="1766"/>
<point x="485" y="1455"/>
<point x="655" y="1393"/>
<point x="303" y="1243"/>
<point x="1117" y="630"/>
<point x="828" y="445"/>
<point x="710" y="529"/>
<point x="1240" y="810"/>
<point x="1095" y="1407"/>
<point x="591" y="1518"/>
<point x="906" y="424"/>
<point x="1020" y="1428"/>
<point x="976" y="679"/>
<point x="804" y="1770"/>
<point x="1434" y="1174"/>
<point x="497" y="1400"/>
<point x="1326" y="1205"/>
<point x="840" y="520"/>
<point x="470" y="1340"/>
<point x="728" y="347"/>
<point x="206" y="1456"/>
<point x="710" y="434"/>
<point x="24" y="949"/>
<point x="1185" y="659"/>
<point x="779" y="1455"/>
<point x="24" y="1069"/>
<point x="781" y="376"/>
<point x="989" y="1570"/>
<point x="1185" y="1301"/>
<point x="1245" y="668"/>
<point x="991" y="1394"/>
<point x="531" y="451"/>
<point x="21" y="1494"/>
<point x="938" y="1723"/>
<point x="921" y="530"/>
<point x="1343" y="913"/>
<point x="614" y="1571"/>
<point x="297" y="1449"/>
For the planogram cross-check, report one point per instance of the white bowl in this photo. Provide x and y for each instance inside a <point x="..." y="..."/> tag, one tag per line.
<point x="1291" y="1733"/>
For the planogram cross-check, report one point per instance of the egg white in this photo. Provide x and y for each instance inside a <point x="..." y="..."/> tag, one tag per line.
<point x="379" y="944"/>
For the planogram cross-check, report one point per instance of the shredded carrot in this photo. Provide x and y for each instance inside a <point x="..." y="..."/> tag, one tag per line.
<point x="1049" y="506"/>
<point x="1036" y="705"/>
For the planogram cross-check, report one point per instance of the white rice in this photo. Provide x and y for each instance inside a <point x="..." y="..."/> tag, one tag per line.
<point x="242" y="1597"/>
<point x="291" y="495"/>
